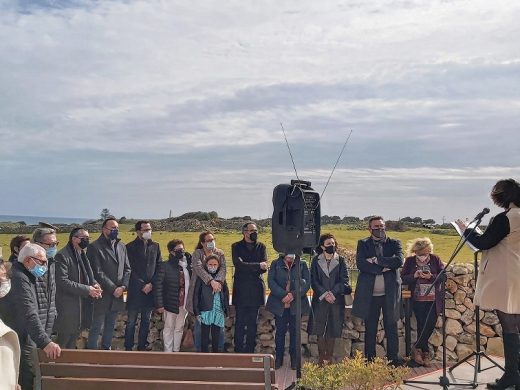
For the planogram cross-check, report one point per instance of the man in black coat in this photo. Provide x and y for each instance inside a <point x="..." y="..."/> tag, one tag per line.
<point x="144" y="256"/>
<point x="378" y="287"/>
<point x="34" y="286"/>
<point x="250" y="261"/>
<point x="75" y="285"/>
<point x="111" y="268"/>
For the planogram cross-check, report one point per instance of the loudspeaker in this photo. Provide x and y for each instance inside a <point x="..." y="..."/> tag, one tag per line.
<point x="296" y="217"/>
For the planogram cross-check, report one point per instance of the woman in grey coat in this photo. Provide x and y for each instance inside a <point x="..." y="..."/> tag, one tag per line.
<point x="329" y="281"/>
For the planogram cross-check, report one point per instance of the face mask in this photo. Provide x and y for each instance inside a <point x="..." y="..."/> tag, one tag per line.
<point x="39" y="270"/>
<point x="83" y="243"/>
<point x="147" y="235"/>
<point x="178" y="254"/>
<point x="210" y="245"/>
<point x="212" y="270"/>
<point x="379" y="233"/>
<point x="113" y="234"/>
<point x="5" y="287"/>
<point x="330" y="249"/>
<point x="253" y="236"/>
<point x="422" y="258"/>
<point x="51" y="252"/>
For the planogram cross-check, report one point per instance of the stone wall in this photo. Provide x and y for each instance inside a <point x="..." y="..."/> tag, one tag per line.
<point x="460" y="326"/>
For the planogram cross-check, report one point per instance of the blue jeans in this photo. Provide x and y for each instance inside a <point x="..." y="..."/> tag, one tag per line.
<point x="283" y="323"/>
<point x="144" y="328"/>
<point x="197" y="337"/>
<point x="105" y="322"/>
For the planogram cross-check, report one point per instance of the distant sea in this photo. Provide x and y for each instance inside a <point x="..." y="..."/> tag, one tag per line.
<point x="33" y="220"/>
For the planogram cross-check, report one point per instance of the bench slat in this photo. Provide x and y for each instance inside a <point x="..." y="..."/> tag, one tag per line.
<point x="118" y="384"/>
<point x="83" y="370"/>
<point x="159" y="358"/>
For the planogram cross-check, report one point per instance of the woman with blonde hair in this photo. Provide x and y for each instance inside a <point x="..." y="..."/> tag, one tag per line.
<point x="419" y="272"/>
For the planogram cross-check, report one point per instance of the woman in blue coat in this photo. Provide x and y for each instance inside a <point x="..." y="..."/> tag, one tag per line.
<point x="281" y="280"/>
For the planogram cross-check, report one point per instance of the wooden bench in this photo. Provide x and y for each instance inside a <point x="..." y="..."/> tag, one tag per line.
<point x="122" y="370"/>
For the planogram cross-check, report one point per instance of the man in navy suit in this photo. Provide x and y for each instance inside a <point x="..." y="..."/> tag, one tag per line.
<point x="378" y="287"/>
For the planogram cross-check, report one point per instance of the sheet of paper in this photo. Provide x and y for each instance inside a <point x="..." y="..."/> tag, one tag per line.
<point x="477" y="230"/>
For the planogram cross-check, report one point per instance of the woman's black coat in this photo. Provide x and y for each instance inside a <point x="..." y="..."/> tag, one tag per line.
<point x="166" y="284"/>
<point x="326" y="315"/>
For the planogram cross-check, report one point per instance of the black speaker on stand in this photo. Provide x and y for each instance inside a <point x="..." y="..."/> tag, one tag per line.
<point x="296" y="229"/>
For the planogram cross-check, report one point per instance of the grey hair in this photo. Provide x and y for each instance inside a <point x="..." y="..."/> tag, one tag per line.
<point x="40" y="232"/>
<point x="30" y="250"/>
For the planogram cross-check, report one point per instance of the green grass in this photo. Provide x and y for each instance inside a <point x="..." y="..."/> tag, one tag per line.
<point x="443" y="244"/>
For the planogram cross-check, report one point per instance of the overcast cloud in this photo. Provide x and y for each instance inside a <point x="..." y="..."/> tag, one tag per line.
<point x="147" y="106"/>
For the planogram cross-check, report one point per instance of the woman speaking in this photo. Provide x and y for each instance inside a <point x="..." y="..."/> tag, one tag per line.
<point x="498" y="284"/>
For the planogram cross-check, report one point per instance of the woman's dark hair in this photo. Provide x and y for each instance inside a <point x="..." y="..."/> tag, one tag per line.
<point x="505" y="192"/>
<point x="16" y="241"/>
<point x="173" y="243"/>
<point x="202" y="236"/>
<point x="323" y="238"/>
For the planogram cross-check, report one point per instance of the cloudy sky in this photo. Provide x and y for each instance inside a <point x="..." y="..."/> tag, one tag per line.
<point x="150" y="106"/>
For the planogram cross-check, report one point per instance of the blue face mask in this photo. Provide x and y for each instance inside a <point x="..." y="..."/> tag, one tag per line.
<point x="51" y="252"/>
<point x="210" y="245"/>
<point x="113" y="234"/>
<point x="39" y="270"/>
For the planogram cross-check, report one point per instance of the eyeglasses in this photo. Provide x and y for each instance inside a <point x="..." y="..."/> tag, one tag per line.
<point x="50" y="244"/>
<point x="39" y="261"/>
<point x="252" y="231"/>
<point x="81" y="237"/>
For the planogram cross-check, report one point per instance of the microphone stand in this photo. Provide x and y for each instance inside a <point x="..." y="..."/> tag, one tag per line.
<point x="298" y="324"/>
<point x="444" y="381"/>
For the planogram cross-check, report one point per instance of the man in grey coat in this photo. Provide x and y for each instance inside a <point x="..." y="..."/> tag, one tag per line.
<point x="75" y="283"/>
<point x="111" y="268"/>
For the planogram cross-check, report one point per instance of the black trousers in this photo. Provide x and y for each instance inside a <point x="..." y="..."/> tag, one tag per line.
<point x="204" y="337"/>
<point x="67" y="339"/>
<point x="245" y="326"/>
<point x="426" y="316"/>
<point x="26" y="376"/>
<point x="377" y="304"/>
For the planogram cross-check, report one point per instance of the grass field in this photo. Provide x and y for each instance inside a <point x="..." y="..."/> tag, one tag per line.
<point x="443" y="244"/>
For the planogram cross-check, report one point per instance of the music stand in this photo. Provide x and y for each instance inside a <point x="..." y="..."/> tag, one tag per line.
<point x="477" y="354"/>
<point x="444" y="381"/>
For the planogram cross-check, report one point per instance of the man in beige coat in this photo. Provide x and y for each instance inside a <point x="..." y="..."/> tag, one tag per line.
<point x="9" y="358"/>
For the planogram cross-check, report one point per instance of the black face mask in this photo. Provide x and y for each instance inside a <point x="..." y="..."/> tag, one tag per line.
<point x="330" y="249"/>
<point x="253" y="236"/>
<point x="83" y="243"/>
<point x="178" y="254"/>
<point x="379" y="233"/>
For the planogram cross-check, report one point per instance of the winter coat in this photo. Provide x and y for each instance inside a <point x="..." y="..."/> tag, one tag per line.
<point x="73" y="304"/>
<point x="9" y="357"/>
<point x="334" y="278"/>
<point x="497" y="283"/>
<point x="110" y="271"/>
<point x="248" y="285"/>
<point x="166" y="284"/>
<point x="407" y="276"/>
<point x="203" y="297"/>
<point x="393" y="259"/>
<point x="35" y="307"/>
<point x="277" y="278"/>
<point x="143" y="267"/>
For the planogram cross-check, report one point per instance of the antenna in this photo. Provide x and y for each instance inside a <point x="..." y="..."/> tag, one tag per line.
<point x="334" y="168"/>
<point x="290" y="153"/>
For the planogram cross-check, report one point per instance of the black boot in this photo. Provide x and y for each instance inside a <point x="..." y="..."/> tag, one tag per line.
<point x="293" y="362"/>
<point x="511" y="375"/>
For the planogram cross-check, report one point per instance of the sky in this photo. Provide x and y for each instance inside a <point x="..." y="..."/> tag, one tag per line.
<point x="149" y="106"/>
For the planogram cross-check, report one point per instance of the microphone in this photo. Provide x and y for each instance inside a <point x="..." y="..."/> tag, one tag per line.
<point x="484" y="211"/>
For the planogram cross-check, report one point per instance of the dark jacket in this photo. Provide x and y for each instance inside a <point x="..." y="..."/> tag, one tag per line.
<point x="35" y="308"/>
<point x="392" y="258"/>
<point x="73" y="281"/>
<point x="203" y="297"/>
<point x="408" y="270"/>
<point x="326" y="315"/>
<point x="6" y="308"/>
<point x="248" y="285"/>
<point x="277" y="279"/>
<point x="166" y="284"/>
<point x="13" y="258"/>
<point x="110" y="271"/>
<point x="143" y="265"/>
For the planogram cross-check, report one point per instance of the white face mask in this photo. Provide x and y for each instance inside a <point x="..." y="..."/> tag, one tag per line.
<point x="422" y="258"/>
<point x="212" y="270"/>
<point x="147" y="235"/>
<point x="5" y="287"/>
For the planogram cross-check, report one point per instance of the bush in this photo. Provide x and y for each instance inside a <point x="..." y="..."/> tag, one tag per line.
<point x="353" y="374"/>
